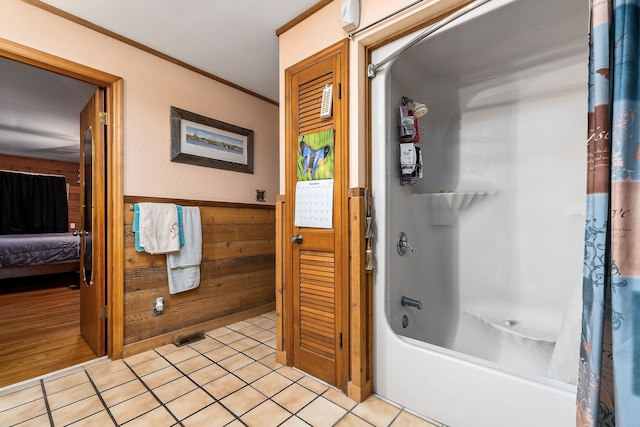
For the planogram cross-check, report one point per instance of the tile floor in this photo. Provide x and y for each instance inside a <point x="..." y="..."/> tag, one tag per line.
<point x="231" y="378"/>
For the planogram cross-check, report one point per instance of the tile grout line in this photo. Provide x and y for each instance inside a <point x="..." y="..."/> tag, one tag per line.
<point x="396" y="417"/>
<point x="293" y="414"/>
<point x="422" y="417"/>
<point x="358" y="417"/>
<point x="259" y="356"/>
<point x="219" y="401"/>
<point x="201" y="387"/>
<point x="311" y="401"/>
<point x="46" y="402"/>
<point x="349" y="411"/>
<point x="247" y="384"/>
<point x="104" y="404"/>
<point x="152" y="394"/>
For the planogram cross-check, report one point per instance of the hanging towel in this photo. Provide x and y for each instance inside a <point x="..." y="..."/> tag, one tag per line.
<point x="183" y="267"/>
<point x="158" y="227"/>
<point x="136" y="226"/>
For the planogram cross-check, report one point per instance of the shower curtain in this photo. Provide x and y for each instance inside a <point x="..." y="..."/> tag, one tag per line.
<point x="609" y="372"/>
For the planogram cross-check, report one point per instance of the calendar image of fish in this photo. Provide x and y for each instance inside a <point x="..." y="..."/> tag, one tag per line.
<point x="316" y="156"/>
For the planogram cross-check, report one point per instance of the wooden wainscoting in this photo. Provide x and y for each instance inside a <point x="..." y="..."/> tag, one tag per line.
<point x="50" y="167"/>
<point x="237" y="275"/>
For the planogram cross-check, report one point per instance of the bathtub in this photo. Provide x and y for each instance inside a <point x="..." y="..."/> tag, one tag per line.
<point x="497" y="237"/>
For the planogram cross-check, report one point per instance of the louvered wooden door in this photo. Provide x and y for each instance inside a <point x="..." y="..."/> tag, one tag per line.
<point x="317" y="266"/>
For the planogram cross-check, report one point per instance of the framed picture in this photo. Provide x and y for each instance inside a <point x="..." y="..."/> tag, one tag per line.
<point x="202" y="141"/>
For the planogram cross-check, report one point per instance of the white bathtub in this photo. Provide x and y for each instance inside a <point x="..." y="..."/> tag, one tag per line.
<point x="477" y="354"/>
<point x="459" y="390"/>
<point x="462" y="391"/>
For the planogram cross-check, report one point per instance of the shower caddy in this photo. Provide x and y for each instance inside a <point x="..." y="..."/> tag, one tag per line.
<point x="411" y="167"/>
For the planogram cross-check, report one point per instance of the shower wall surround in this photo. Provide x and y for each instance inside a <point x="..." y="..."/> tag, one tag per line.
<point x="496" y="223"/>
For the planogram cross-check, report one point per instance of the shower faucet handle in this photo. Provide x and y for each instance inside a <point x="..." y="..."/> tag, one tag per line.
<point x="402" y="244"/>
<point x="413" y="251"/>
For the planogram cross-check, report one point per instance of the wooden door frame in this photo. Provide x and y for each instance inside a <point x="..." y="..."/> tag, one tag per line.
<point x="114" y="262"/>
<point x="286" y="355"/>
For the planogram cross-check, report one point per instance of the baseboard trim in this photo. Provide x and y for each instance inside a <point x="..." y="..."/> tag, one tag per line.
<point x="281" y="357"/>
<point x="359" y="392"/>
<point x="169" y="338"/>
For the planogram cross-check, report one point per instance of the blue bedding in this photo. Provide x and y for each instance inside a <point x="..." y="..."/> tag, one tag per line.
<point x="18" y="250"/>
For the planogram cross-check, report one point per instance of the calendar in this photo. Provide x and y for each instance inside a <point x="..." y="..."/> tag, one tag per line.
<point x="314" y="204"/>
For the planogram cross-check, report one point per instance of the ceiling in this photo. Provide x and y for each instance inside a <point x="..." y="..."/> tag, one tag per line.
<point x="39" y="110"/>
<point x="201" y="32"/>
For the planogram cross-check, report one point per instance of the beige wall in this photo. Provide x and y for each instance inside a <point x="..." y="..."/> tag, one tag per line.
<point x="151" y="87"/>
<point x="323" y="29"/>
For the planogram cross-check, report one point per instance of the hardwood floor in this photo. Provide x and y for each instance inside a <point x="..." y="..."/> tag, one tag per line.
<point x="39" y="329"/>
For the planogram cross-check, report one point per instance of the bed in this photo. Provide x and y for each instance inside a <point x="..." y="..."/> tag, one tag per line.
<point x="36" y="254"/>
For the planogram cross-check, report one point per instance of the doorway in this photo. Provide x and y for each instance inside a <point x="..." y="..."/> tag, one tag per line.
<point x="39" y="134"/>
<point x="111" y="87"/>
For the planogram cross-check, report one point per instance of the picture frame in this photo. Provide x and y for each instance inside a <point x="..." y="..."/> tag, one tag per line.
<point x="203" y="141"/>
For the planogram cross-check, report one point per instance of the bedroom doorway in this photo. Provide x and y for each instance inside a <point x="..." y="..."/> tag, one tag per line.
<point x="39" y="158"/>
<point x="105" y="242"/>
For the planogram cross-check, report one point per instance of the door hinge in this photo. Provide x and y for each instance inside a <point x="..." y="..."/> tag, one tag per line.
<point x="340" y="339"/>
<point x="339" y="90"/>
<point x="103" y="117"/>
<point x="103" y="312"/>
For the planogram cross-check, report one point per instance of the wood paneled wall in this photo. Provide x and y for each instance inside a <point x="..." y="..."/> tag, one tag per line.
<point x="237" y="272"/>
<point x="49" y="167"/>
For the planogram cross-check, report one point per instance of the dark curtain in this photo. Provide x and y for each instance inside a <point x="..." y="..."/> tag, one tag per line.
<point x="33" y="204"/>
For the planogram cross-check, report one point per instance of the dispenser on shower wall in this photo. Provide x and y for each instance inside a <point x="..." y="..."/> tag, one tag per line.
<point x="410" y="153"/>
<point x="410" y="163"/>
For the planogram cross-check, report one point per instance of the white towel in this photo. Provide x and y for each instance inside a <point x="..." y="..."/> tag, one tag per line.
<point x="183" y="268"/>
<point x="159" y="233"/>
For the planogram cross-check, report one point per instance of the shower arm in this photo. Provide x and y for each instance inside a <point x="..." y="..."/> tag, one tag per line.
<point x="372" y="68"/>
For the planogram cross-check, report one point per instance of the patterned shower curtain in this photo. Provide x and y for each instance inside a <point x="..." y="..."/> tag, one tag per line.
<point x="609" y="374"/>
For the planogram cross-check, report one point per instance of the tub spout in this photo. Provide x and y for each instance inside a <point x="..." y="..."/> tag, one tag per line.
<point x="410" y="302"/>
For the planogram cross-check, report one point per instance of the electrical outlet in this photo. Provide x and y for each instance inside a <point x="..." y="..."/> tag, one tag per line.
<point x="260" y="195"/>
<point x="158" y="306"/>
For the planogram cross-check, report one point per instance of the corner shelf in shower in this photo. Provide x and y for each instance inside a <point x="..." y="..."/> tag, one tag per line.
<point x="445" y="206"/>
